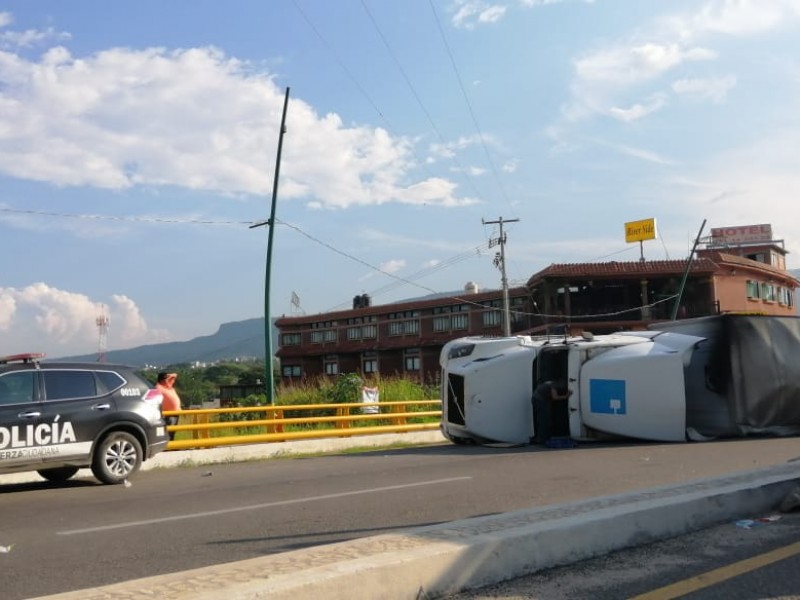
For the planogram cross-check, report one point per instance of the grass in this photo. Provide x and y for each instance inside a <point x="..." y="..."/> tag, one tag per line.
<point x="324" y="390"/>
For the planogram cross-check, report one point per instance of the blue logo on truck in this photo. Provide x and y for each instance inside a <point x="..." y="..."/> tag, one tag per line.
<point x="607" y="396"/>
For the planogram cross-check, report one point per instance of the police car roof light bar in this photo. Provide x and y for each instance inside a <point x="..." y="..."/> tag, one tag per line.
<point x="25" y="357"/>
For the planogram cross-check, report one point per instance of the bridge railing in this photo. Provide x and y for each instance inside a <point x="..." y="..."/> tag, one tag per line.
<point x="271" y="423"/>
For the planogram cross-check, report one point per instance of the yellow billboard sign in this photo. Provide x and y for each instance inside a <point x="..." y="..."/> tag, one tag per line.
<point x="636" y="231"/>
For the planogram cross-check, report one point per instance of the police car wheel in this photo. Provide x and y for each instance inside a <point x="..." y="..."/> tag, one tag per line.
<point x="117" y="457"/>
<point x="59" y="474"/>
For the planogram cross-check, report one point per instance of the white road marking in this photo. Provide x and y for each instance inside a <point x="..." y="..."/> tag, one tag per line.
<point x="223" y="511"/>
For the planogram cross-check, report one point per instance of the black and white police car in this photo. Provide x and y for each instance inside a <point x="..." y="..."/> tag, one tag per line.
<point x="57" y="417"/>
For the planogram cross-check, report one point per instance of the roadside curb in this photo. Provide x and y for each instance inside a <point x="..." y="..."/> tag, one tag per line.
<point x="431" y="561"/>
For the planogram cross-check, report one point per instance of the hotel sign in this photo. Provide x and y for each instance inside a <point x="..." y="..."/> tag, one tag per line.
<point x="637" y="231"/>
<point x="744" y="234"/>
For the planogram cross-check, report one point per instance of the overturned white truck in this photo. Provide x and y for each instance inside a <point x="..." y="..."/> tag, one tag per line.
<point x="694" y="379"/>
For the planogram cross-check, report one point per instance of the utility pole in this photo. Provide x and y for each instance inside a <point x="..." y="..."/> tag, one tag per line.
<point x="102" y="322"/>
<point x="270" y="223"/>
<point x="679" y="295"/>
<point x="500" y="262"/>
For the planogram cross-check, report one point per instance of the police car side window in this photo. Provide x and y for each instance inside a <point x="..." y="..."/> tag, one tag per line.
<point x="17" y="388"/>
<point x="61" y="385"/>
<point x="110" y="380"/>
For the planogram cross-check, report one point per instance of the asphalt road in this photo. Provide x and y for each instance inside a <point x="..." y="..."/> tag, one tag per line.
<point x="82" y="534"/>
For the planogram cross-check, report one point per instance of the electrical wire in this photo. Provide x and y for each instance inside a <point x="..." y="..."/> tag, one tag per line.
<point x="389" y="127"/>
<point x="469" y="106"/>
<point x="43" y="213"/>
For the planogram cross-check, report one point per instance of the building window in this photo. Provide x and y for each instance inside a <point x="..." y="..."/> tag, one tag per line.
<point x="491" y="318"/>
<point x="364" y="332"/>
<point x="290" y="339"/>
<point x="441" y="323"/>
<point x="752" y="290"/>
<point x="408" y="314"/>
<point x="403" y="327"/>
<point x="785" y="296"/>
<point x="411" y="327"/>
<point x="291" y="371"/>
<point x="331" y="366"/>
<point x="459" y="321"/>
<point x="319" y="337"/>
<point x="768" y="292"/>
<point x="369" y="365"/>
<point x="411" y="359"/>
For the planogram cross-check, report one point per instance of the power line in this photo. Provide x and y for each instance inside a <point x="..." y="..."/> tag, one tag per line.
<point x="410" y="280"/>
<point x="42" y="213"/>
<point x="410" y="85"/>
<point x="469" y="105"/>
<point x="389" y="127"/>
<point x="404" y="280"/>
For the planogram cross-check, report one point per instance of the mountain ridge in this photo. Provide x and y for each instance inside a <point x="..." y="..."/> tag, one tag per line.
<point x="236" y="339"/>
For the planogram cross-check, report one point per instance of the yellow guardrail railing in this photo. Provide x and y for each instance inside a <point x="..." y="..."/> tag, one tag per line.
<point x="201" y="422"/>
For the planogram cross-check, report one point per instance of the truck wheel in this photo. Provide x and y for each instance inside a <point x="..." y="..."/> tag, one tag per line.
<point x="58" y="474"/>
<point x="117" y="457"/>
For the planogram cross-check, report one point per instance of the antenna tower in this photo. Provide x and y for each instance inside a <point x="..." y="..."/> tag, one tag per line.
<point x="102" y="321"/>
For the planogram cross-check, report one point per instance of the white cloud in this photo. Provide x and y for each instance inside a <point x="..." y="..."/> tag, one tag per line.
<point x="27" y="38"/>
<point x="393" y="266"/>
<point x="716" y="89"/>
<point x="65" y="322"/>
<point x="530" y="3"/>
<point x="8" y="307"/>
<point x="449" y="149"/>
<point x="510" y="166"/>
<point x="638" y="111"/>
<point x="630" y="65"/>
<point x="613" y="76"/>
<point x="736" y="17"/>
<point x="469" y="13"/>
<point x="640" y="153"/>
<point x="192" y="118"/>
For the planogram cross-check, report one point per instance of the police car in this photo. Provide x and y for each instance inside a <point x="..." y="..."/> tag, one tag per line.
<point x="58" y="417"/>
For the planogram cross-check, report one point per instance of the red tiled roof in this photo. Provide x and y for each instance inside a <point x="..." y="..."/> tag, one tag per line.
<point x="630" y="269"/>
<point x="709" y="263"/>
<point x="419" y="304"/>
<point x="723" y="258"/>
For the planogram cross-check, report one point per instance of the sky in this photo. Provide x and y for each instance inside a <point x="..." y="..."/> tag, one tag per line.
<point x="139" y="145"/>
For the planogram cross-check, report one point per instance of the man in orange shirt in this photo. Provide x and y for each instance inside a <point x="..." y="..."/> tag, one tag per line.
<point x="166" y="385"/>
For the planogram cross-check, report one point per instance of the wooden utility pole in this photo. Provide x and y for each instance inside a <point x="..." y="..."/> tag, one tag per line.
<point x="500" y="263"/>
